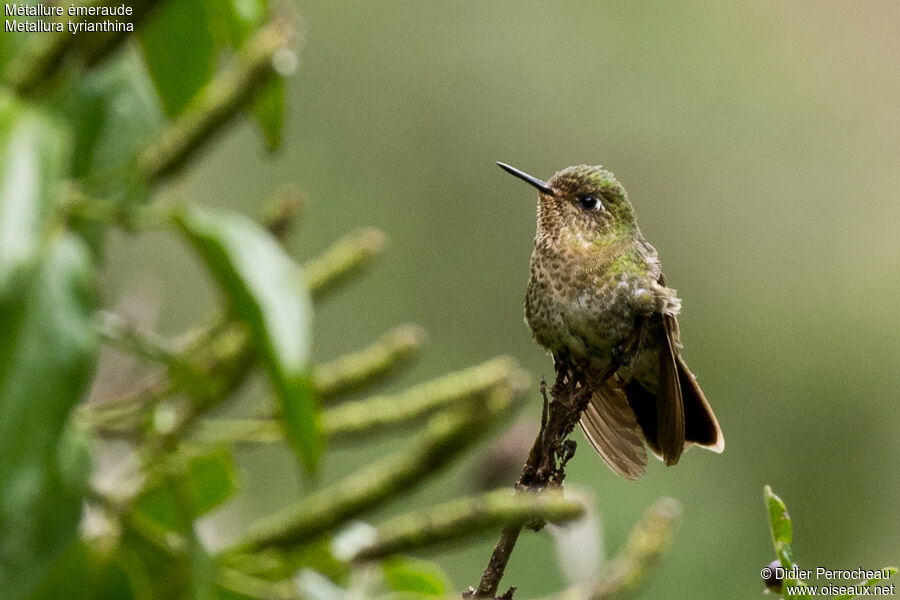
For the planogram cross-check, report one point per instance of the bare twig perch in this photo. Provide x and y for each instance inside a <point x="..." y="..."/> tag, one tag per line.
<point x="546" y="463"/>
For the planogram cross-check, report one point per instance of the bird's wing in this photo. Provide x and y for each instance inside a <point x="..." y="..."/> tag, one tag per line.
<point x="700" y="424"/>
<point x="669" y="401"/>
<point x="612" y="429"/>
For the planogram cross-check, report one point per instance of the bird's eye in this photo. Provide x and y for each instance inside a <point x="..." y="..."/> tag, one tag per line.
<point x="589" y="203"/>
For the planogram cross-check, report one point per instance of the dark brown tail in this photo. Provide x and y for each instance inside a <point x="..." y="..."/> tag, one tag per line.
<point x="700" y="424"/>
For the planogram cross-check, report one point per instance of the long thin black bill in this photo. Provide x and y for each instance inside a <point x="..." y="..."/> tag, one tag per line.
<point x="541" y="185"/>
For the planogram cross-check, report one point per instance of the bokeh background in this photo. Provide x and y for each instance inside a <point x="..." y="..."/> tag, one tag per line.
<point x="759" y="144"/>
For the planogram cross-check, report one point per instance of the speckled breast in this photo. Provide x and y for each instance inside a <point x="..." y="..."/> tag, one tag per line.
<point x="576" y="308"/>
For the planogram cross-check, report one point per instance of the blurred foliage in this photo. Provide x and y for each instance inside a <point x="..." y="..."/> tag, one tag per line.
<point x="88" y="131"/>
<point x="73" y="127"/>
<point x="757" y="141"/>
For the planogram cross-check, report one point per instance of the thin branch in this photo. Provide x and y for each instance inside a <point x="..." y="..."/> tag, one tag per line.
<point x="268" y="430"/>
<point x="223" y="350"/>
<point x="244" y="585"/>
<point x="546" y="462"/>
<point x="144" y="217"/>
<point x="343" y="260"/>
<point x="214" y="370"/>
<point x="117" y="331"/>
<point x="496" y="566"/>
<point x="464" y="517"/>
<point x="97" y="46"/>
<point x="359" y="369"/>
<point x="444" y="438"/>
<point x="41" y="61"/>
<point x="381" y="412"/>
<point x="281" y="213"/>
<point x="633" y="565"/>
<point x="217" y="103"/>
<point x="373" y="415"/>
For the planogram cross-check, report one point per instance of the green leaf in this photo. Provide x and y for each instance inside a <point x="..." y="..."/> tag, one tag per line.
<point x="47" y="354"/>
<point x="780" y="523"/>
<point x="114" y="113"/>
<point x="300" y="414"/>
<point x="202" y="571"/>
<point x="267" y="291"/>
<point x="232" y="21"/>
<point x="155" y="572"/>
<point x="47" y="351"/>
<point x="415" y="576"/>
<point x="32" y="161"/>
<point x="180" y="52"/>
<point x="250" y="13"/>
<point x="207" y="481"/>
<point x="82" y="574"/>
<point x="10" y="47"/>
<point x="782" y="534"/>
<point x="268" y="109"/>
<point x="223" y="594"/>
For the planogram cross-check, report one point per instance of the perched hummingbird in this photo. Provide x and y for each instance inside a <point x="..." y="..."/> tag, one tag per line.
<point x="597" y="298"/>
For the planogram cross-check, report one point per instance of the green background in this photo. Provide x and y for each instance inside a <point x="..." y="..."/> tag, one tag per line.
<point x="759" y="144"/>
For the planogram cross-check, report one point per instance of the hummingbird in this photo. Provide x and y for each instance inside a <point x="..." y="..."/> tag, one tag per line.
<point x="597" y="299"/>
